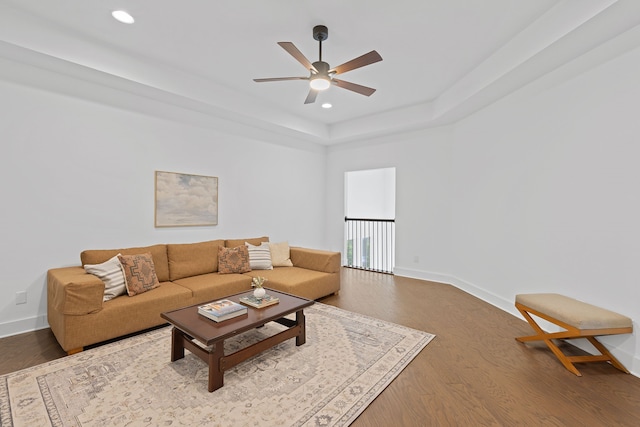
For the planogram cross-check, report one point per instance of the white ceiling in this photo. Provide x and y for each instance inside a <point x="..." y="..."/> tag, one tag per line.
<point x="442" y="59"/>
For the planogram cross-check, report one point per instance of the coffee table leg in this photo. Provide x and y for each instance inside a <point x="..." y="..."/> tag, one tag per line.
<point x="177" y="344"/>
<point x="302" y="337"/>
<point x="216" y="374"/>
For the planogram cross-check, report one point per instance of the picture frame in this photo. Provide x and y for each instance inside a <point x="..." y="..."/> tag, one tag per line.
<point x="185" y="200"/>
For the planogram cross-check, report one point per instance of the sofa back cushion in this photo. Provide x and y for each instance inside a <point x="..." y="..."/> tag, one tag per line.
<point x="255" y="241"/>
<point x="158" y="253"/>
<point x="193" y="259"/>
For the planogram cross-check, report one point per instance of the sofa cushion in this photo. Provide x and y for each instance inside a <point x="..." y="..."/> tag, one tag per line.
<point x="259" y="256"/>
<point x="280" y="254"/>
<point x="110" y="272"/>
<point x="214" y="286"/>
<point x="233" y="260"/>
<point x="305" y="283"/>
<point x="158" y="252"/>
<point x="139" y="273"/>
<point x="256" y="241"/>
<point x="192" y="259"/>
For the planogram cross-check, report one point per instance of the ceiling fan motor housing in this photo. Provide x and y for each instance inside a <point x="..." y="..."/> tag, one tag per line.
<point x="322" y="67"/>
<point x="320" y="33"/>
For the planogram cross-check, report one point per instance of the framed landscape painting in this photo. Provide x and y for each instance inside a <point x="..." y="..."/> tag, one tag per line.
<point x="185" y="200"/>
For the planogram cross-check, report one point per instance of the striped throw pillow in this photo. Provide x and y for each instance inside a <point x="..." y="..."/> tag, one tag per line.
<point x="110" y="272"/>
<point x="259" y="256"/>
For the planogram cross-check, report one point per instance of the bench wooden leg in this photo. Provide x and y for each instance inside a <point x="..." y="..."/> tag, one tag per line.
<point x="602" y="349"/>
<point x="570" y="333"/>
<point x="547" y="339"/>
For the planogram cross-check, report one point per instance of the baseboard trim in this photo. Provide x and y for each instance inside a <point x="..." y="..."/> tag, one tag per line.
<point x="21" y="326"/>
<point x="448" y="279"/>
<point x="631" y="362"/>
<point x="423" y="275"/>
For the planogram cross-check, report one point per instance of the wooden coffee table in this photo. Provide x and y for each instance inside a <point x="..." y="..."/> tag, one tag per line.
<point x="188" y="326"/>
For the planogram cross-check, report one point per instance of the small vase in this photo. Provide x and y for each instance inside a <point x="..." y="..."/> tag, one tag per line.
<point x="259" y="293"/>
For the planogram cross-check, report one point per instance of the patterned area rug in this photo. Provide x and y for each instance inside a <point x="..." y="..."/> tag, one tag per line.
<point x="347" y="361"/>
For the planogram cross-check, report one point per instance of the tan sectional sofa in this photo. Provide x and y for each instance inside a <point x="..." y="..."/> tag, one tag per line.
<point x="188" y="275"/>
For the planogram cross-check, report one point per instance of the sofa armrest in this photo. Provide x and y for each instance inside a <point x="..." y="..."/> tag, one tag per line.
<point x="71" y="290"/>
<point x="313" y="259"/>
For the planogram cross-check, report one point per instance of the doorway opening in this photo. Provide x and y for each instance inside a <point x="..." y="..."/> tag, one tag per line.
<point x="370" y="210"/>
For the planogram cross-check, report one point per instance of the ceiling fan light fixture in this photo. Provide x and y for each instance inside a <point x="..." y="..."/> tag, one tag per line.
<point x="319" y="83"/>
<point x="123" y="16"/>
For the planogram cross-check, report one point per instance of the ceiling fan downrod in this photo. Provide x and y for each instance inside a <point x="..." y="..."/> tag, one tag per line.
<point x="320" y="33"/>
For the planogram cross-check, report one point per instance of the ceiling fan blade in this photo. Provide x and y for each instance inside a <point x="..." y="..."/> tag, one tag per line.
<point x="361" y="61"/>
<point x="293" y="51"/>
<point x="311" y="97"/>
<point x="362" y="90"/>
<point x="279" y="79"/>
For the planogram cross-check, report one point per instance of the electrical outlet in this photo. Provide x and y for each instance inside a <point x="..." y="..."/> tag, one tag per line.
<point x="21" y="297"/>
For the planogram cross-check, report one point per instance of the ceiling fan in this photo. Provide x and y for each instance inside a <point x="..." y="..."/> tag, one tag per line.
<point x="321" y="76"/>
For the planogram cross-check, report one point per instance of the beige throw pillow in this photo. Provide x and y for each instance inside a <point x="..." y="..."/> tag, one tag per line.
<point x="110" y="272"/>
<point x="280" y="254"/>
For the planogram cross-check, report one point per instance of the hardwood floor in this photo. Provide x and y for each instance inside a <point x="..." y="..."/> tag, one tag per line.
<point x="473" y="373"/>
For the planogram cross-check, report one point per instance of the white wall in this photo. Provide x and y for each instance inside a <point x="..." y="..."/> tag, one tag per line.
<point x="78" y="174"/>
<point x="538" y="192"/>
<point x="547" y="199"/>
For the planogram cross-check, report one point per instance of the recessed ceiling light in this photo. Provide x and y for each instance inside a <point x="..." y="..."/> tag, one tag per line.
<point x="123" y="16"/>
<point x="326" y="105"/>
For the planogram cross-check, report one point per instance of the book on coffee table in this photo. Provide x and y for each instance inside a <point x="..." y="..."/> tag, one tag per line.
<point x="265" y="301"/>
<point x="222" y="310"/>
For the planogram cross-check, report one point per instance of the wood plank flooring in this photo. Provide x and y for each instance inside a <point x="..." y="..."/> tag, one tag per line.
<point x="473" y="373"/>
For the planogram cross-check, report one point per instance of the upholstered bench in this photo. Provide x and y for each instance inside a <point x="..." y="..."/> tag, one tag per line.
<point x="579" y="319"/>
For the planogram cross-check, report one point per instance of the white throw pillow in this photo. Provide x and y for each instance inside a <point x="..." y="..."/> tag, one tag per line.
<point x="110" y="272"/>
<point x="259" y="256"/>
<point x="280" y="254"/>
